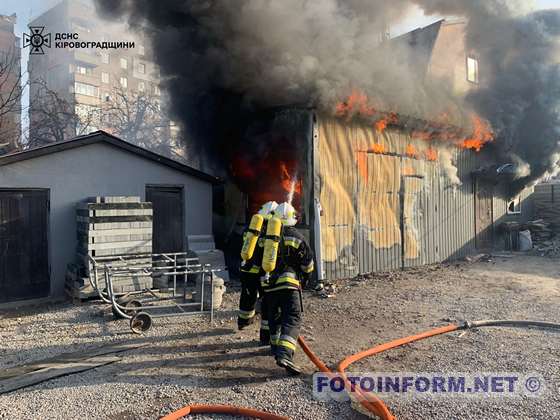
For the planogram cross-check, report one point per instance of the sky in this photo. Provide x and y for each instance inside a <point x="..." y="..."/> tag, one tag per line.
<point x="27" y="10"/>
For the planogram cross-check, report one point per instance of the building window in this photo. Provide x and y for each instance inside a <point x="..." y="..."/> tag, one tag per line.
<point x="85" y="89"/>
<point x="84" y="70"/>
<point x="105" y="58"/>
<point x="156" y="90"/>
<point x="124" y="63"/>
<point x="104" y="77"/>
<point x="141" y="68"/>
<point x="124" y="82"/>
<point x="107" y="97"/>
<point x="514" y="206"/>
<point x="472" y="69"/>
<point x="141" y="50"/>
<point x="141" y="87"/>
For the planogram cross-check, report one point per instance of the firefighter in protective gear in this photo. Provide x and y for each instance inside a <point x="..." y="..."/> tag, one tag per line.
<point x="293" y="269"/>
<point x="250" y="273"/>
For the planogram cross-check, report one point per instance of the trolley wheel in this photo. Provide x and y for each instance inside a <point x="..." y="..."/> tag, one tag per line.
<point x="140" y="323"/>
<point x="124" y="301"/>
<point x="130" y="307"/>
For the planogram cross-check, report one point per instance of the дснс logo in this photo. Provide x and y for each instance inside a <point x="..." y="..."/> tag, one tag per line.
<point x="36" y="40"/>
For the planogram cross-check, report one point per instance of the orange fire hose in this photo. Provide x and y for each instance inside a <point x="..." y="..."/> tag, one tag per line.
<point x="368" y="400"/>
<point x="222" y="409"/>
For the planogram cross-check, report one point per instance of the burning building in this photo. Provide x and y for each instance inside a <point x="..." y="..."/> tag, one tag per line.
<point x="394" y="155"/>
<point x="369" y="199"/>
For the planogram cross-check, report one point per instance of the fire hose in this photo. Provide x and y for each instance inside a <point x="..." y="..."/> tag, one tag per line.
<point x="374" y="404"/>
<point x="222" y="409"/>
<point x="367" y="400"/>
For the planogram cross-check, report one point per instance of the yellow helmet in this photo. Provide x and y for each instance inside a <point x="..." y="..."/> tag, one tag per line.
<point x="286" y="213"/>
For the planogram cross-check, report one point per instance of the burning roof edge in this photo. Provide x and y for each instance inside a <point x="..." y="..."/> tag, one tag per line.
<point x="104" y="137"/>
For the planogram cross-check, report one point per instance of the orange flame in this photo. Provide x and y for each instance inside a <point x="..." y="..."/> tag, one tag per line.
<point x="381" y="125"/>
<point x="377" y="148"/>
<point x="431" y="154"/>
<point x="482" y="134"/>
<point x="390" y="118"/>
<point x="287" y="181"/>
<point x="357" y="102"/>
<point x="411" y="151"/>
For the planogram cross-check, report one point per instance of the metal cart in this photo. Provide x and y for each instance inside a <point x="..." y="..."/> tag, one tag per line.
<point x="142" y="306"/>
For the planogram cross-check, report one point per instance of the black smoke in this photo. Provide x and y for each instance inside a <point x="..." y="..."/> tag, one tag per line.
<point x="222" y="60"/>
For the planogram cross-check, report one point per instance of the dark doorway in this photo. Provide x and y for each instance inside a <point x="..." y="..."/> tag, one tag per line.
<point x="24" y="255"/>
<point x="168" y="222"/>
<point x="484" y="215"/>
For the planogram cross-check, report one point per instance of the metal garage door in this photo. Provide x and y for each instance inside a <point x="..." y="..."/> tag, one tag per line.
<point x="24" y="262"/>
<point x="169" y="230"/>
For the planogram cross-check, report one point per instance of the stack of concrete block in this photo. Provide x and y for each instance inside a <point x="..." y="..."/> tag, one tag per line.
<point x="109" y="227"/>
<point x="77" y="286"/>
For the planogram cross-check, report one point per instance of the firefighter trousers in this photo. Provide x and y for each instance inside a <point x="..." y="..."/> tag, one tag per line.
<point x="284" y="315"/>
<point x="250" y="292"/>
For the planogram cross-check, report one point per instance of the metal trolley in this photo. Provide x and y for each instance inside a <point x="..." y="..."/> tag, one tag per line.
<point x="142" y="306"/>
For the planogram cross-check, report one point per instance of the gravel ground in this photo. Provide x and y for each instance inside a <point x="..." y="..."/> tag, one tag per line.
<point x="187" y="361"/>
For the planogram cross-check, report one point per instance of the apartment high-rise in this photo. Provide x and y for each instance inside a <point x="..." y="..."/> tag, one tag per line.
<point x="10" y="85"/>
<point x="94" y="83"/>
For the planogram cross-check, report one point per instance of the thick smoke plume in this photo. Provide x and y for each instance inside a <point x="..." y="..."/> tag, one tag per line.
<point x="219" y="58"/>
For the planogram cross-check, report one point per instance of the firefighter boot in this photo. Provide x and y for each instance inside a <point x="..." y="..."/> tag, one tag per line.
<point x="243" y="322"/>
<point x="288" y="364"/>
<point x="264" y="334"/>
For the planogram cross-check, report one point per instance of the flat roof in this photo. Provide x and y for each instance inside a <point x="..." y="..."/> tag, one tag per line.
<point x="103" y="137"/>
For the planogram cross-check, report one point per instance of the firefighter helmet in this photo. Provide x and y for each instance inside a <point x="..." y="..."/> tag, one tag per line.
<point x="268" y="208"/>
<point x="286" y="213"/>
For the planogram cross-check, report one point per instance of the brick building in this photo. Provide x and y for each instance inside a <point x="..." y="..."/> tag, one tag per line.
<point x="91" y="80"/>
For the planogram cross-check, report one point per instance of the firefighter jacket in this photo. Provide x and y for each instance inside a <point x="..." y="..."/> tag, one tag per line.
<point x="253" y="266"/>
<point x="294" y="265"/>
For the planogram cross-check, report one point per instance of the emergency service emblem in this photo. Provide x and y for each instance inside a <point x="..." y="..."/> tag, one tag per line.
<point x="37" y="40"/>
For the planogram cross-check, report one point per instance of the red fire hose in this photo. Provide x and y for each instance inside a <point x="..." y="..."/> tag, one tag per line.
<point x="222" y="409"/>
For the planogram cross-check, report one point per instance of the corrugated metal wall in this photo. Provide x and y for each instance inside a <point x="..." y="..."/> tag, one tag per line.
<point x="382" y="212"/>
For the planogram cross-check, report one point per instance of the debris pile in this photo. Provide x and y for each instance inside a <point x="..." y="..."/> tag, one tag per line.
<point x="544" y="238"/>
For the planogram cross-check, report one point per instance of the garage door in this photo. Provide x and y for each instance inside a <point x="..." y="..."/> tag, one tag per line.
<point x="169" y="230"/>
<point x="24" y="262"/>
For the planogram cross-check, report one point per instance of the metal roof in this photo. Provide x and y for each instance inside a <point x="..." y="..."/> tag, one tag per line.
<point x="103" y="137"/>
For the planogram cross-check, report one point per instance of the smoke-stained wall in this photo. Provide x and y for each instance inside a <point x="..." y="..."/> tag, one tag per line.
<point x="387" y="205"/>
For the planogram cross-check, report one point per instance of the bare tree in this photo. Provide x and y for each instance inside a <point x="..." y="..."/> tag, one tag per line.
<point x="55" y="118"/>
<point x="140" y="117"/>
<point x="11" y="92"/>
<point x="135" y="116"/>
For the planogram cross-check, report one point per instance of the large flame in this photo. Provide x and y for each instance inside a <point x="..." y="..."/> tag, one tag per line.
<point x="440" y="129"/>
<point x="482" y="134"/>
<point x="290" y="183"/>
<point x="267" y="180"/>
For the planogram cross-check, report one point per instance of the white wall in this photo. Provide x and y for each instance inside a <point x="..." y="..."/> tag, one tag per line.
<point x="99" y="169"/>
